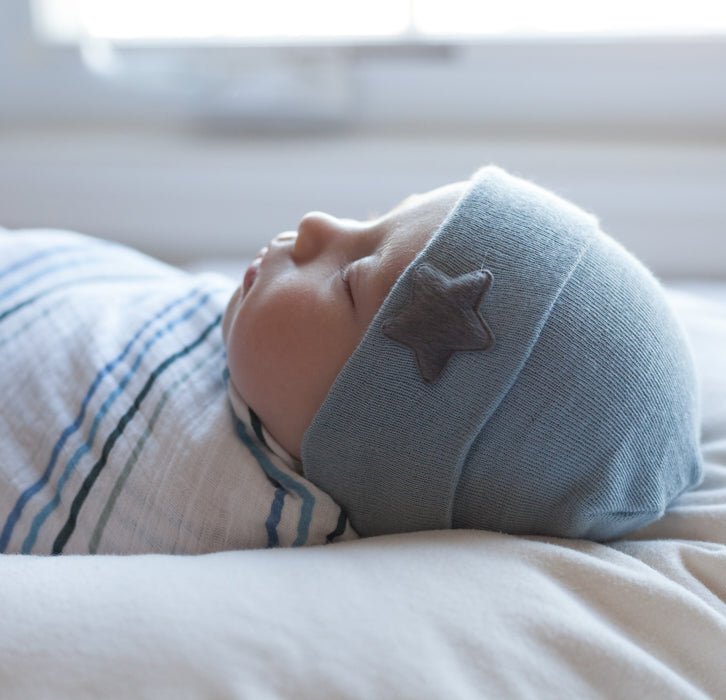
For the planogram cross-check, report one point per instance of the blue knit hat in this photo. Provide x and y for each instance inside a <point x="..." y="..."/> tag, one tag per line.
<point x="568" y="405"/>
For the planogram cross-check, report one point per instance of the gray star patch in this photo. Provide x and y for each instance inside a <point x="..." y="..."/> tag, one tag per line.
<point x="441" y="317"/>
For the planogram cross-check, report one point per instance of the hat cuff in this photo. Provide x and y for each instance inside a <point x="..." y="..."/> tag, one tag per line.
<point x="387" y="446"/>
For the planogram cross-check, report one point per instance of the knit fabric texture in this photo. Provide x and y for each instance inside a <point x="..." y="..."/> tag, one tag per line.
<point x="582" y="419"/>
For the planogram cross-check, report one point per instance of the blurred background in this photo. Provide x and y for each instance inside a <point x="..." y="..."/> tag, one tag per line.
<point x="197" y="130"/>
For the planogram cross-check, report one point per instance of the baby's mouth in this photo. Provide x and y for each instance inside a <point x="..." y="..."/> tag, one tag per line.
<point x="253" y="269"/>
<point x="251" y="273"/>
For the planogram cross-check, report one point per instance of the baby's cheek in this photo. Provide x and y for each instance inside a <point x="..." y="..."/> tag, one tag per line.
<point x="236" y="360"/>
<point x="229" y="314"/>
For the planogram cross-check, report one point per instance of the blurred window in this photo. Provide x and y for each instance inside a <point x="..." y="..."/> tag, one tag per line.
<point x="540" y="67"/>
<point x="220" y="21"/>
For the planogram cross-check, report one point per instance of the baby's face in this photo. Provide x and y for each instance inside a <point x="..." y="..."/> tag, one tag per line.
<point x="307" y="300"/>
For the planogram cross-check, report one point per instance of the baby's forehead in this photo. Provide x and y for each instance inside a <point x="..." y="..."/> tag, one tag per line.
<point x="409" y="226"/>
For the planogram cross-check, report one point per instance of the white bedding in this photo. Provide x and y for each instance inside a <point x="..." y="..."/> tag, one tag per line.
<point x="432" y="615"/>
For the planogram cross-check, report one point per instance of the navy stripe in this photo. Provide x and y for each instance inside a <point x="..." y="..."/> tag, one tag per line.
<point x="278" y="476"/>
<point x="45" y="512"/>
<point x="70" y="524"/>
<point x="256" y="424"/>
<point x="17" y="510"/>
<point x="339" y="528"/>
<point x="282" y="481"/>
<point x="138" y="449"/>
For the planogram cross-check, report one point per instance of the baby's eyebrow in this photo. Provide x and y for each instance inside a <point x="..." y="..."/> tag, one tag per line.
<point x="388" y="259"/>
<point x="402" y="203"/>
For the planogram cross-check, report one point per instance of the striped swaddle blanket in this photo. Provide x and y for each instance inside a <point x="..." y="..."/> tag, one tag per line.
<point x="116" y="430"/>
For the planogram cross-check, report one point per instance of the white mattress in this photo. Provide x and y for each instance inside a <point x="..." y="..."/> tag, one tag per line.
<point x="432" y="615"/>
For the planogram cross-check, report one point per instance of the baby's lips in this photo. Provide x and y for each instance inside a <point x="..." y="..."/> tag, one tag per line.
<point x="254" y="267"/>
<point x="251" y="274"/>
<point x="251" y="271"/>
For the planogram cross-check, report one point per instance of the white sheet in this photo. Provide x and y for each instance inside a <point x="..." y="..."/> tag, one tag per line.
<point x="455" y="614"/>
<point x="441" y="614"/>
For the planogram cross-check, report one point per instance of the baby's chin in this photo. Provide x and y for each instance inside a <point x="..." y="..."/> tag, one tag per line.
<point x="242" y="408"/>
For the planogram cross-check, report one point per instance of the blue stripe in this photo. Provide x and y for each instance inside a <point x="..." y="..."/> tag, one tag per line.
<point x="278" y="501"/>
<point x="138" y="449"/>
<point x="65" y="265"/>
<point x="38" y="255"/>
<point x="273" y="519"/>
<point x="42" y="516"/>
<point x="70" y="524"/>
<point x="31" y="322"/>
<point x="71" y="283"/>
<point x="53" y="308"/>
<point x="17" y="510"/>
<point x="285" y="480"/>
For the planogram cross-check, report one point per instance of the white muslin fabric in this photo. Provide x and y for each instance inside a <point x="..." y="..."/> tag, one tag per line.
<point x="117" y="433"/>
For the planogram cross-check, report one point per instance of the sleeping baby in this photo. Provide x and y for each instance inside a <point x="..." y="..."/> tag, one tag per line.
<point x="482" y="356"/>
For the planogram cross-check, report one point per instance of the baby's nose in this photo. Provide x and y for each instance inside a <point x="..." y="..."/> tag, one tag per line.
<point x="315" y="232"/>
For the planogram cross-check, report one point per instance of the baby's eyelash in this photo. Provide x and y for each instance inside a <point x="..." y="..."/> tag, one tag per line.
<point x="344" y="269"/>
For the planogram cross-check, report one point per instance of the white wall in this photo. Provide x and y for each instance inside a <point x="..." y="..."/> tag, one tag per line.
<point x="179" y="197"/>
